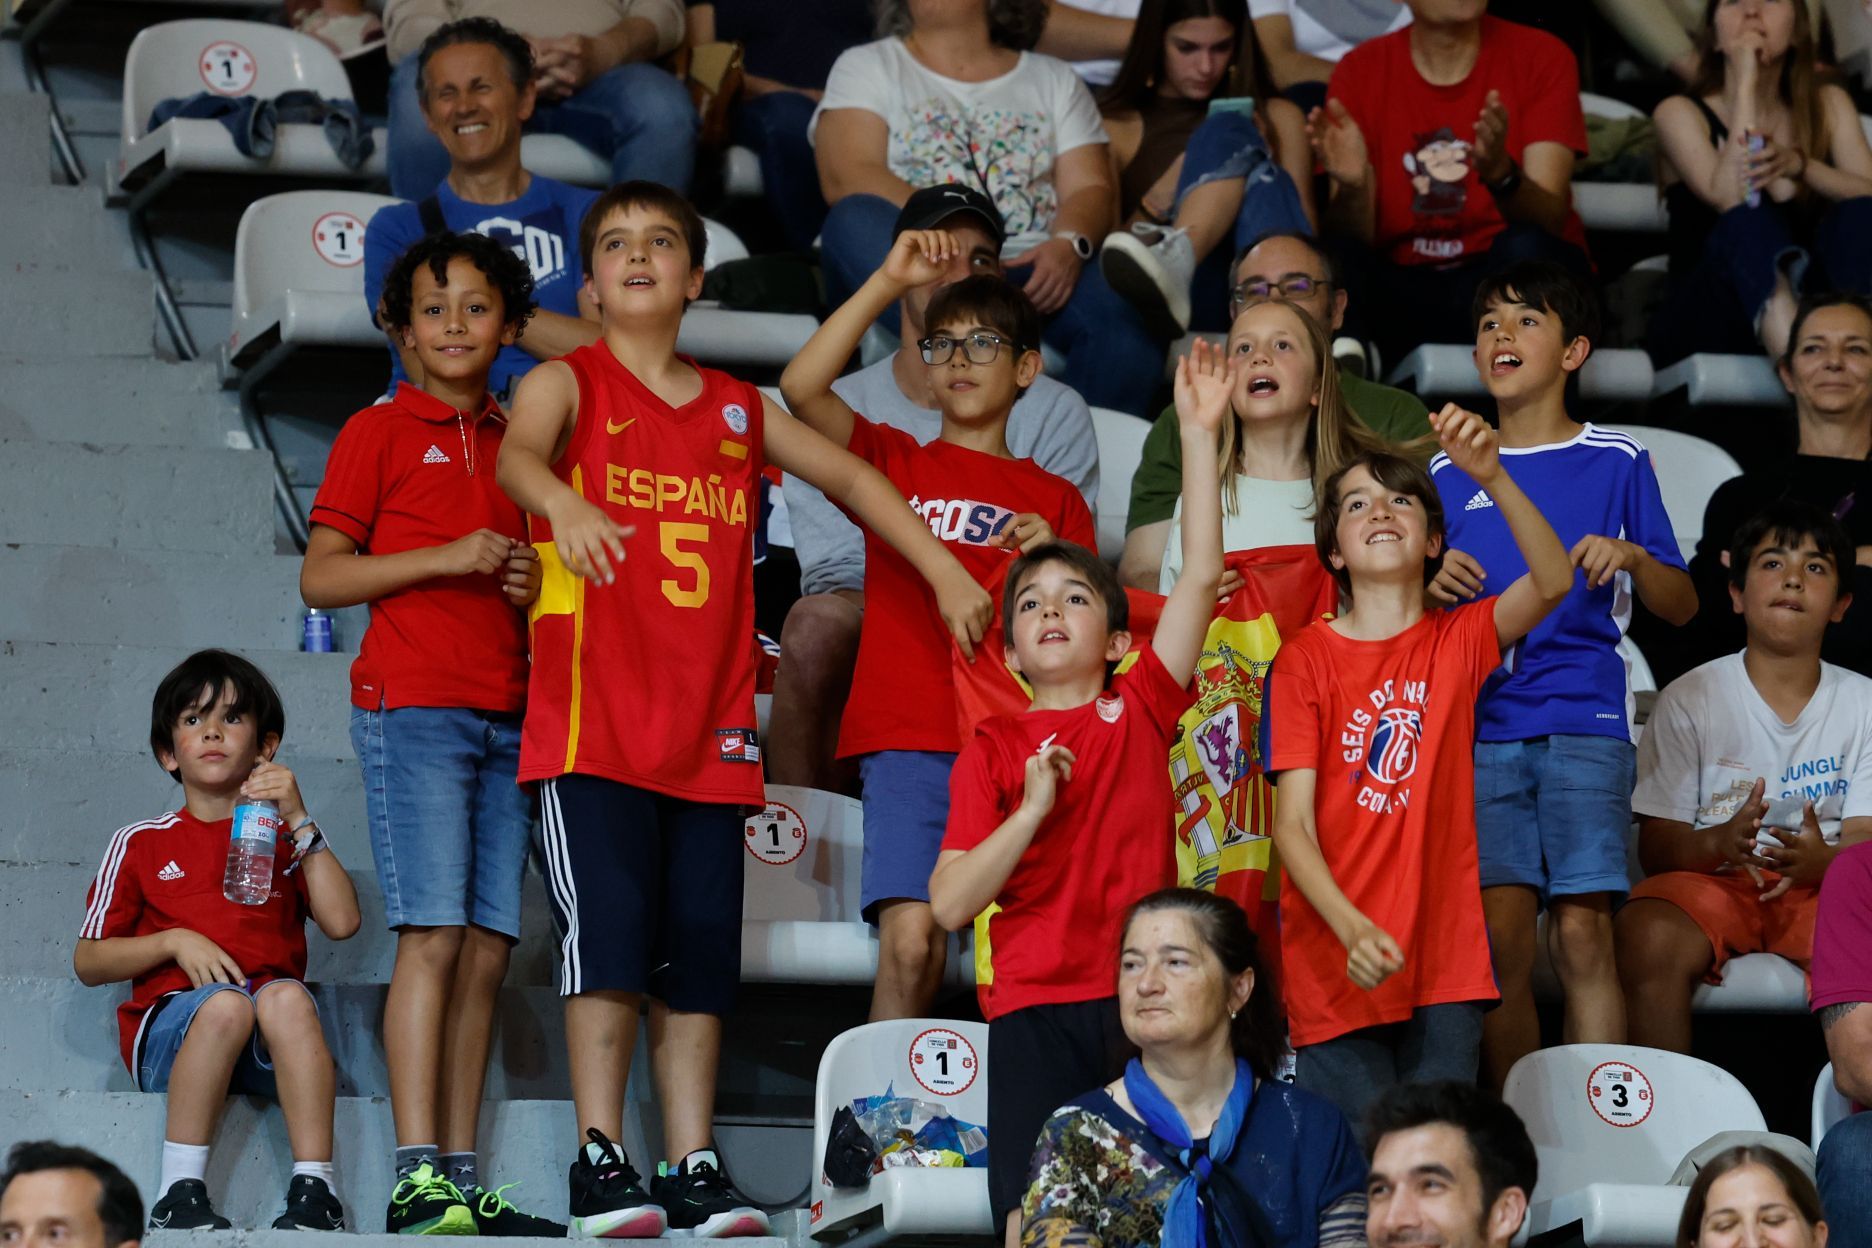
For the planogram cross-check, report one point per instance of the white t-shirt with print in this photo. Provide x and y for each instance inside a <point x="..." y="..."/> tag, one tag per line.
<point x="1329" y="29"/>
<point x="1003" y="135"/>
<point x="1267" y="513"/>
<point x="1711" y="736"/>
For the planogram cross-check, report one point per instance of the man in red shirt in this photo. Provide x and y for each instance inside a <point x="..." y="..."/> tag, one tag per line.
<point x="1448" y="148"/>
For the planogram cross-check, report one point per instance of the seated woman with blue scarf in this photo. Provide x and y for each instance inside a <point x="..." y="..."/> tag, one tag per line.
<point x="1198" y="1146"/>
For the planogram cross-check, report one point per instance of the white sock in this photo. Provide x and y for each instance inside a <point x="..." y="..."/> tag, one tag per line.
<point x="318" y="1170"/>
<point x="182" y="1161"/>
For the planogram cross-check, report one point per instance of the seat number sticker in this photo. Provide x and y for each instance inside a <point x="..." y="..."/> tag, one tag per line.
<point x="944" y="1062"/>
<point x="776" y="835"/>
<point x="1620" y="1094"/>
<point x="228" y="68"/>
<point x="339" y="239"/>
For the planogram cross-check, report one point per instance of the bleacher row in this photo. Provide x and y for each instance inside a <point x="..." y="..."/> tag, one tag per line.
<point x="298" y="284"/>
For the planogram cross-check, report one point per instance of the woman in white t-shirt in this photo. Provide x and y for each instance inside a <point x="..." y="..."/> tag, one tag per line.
<point x="1304" y="39"/>
<point x="951" y="96"/>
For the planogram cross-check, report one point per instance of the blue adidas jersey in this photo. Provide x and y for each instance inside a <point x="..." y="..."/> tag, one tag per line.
<point x="542" y="227"/>
<point x="1567" y="675"/>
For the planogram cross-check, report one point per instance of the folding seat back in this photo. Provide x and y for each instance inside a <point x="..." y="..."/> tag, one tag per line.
<point x="179" y="59"/>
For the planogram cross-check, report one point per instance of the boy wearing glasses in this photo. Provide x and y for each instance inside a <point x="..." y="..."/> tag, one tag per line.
<point x="981" y="352"/>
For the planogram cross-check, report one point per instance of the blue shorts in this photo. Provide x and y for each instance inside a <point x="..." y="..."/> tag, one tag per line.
<point x="167" y="1027"/>
<point x="450" y="828"/>
<point x="1553" y="813"/>
<point x="906" y="807"/>
<point x="645" y="891"/>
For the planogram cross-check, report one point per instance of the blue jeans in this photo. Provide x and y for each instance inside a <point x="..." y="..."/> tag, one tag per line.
<point x="1552" y="813"/>
<point x="450" y="827"/>
<point x="163" y="1036"/>
<point x="1230" y="145"/>
<point x="637" y="116"/>
<point x="1845" y="1164"/>
<point x="1112" y="360"/>
<point x="774" y="125"/>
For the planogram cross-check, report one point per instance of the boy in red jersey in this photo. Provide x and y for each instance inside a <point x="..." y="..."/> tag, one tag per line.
<point x="409" y="519"/>
<point x="217" y="1003"/>
<point x="1063" y="859"/>
<point x="982" y="354"/>
<point x="640" y="713"/>
<point x="1371" y="723"/>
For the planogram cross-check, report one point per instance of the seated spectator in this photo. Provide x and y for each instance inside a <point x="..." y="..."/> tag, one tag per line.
<point x="1289" y="268"/>
<point x="1049" y="425"/>
<point x="788" y="49"/>
<point x="1753" y="771"/>
<point x="1841" y="994"/>
<point x="1768" y="180"/>
<point x="1448" y="148"/>
<point x="1192" y="170"/>
<point x="345" y="26"/>
<point x="1752" y="1194"/>
<point x="1451" y="1165"/>
<point x="1828" y="370"/>
<point x="1303" y="41"/>
<point x="591" y="77"/>
<point x="1664" y="32"/>
<point x="476" y="80"/>
<point x="948" y="97"/>
<point x="1089" y="35"/>
<point x="56" y="1196"/>
<point x="1198" y="1142"/>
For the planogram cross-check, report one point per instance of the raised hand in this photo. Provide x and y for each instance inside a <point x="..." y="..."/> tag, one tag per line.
<point x="1023" y="533"/>
<point x="1205" y="381"/>
<point x="1489" y="157"/>
<point x="1469" y="442"/>
<point x="1049" y="767"/>
<point x="919" y="257"/>
<point x="271" y="782"/>
<point x="1338" y="143"/>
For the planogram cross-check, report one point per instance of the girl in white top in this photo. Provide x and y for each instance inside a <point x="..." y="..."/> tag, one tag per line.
<point x="1291" y="431"/>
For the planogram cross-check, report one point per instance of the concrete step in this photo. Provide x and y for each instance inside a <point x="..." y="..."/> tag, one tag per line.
<point x="137" y="498"/>
<point x="91" y="595"/>
<point x="62" y="225"/>
<point x="58" y="311"/>
<point x="26" y="138"/>
<point x="529" y="1143"/>
<point x="96" y="699"/>
<point x="130" y="400"/>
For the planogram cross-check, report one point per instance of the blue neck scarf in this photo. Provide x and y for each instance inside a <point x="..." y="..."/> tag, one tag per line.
<point x="1184" y="1221"/>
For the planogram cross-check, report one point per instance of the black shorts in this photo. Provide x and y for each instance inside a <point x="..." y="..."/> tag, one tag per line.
<point x="1040" y="1058"/>
<point x="645" y="891"/>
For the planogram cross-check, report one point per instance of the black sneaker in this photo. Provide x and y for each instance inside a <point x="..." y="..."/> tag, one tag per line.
<point x="493" y="1215"/>
<point x="310" y="1206"/>
<point x="608" y="1200"/>
<point x="425" y="1203"/>
<point x="185" y="1207"/>
<point x="702" y="1203"/>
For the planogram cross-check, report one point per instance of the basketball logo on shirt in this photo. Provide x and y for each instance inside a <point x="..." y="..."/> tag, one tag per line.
<point x="735" y="417"/>
<point x="1394" y="745"/>
<point x="1385" y="739"/>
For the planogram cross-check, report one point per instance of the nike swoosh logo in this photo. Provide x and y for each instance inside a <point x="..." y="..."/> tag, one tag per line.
<point x="619" y="427"/>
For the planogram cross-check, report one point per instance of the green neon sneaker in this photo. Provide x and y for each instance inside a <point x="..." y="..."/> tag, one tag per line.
<point x="494" y="1214"/>
<point x="425" y="1203"/>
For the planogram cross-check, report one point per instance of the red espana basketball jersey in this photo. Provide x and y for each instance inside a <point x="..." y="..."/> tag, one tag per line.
<point x="649" y="681"/>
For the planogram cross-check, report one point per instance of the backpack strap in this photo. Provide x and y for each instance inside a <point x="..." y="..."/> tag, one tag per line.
<point x="429" y="211"/>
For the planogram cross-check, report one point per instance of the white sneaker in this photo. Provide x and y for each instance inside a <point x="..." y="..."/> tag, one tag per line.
<point x="1152" y="266"/>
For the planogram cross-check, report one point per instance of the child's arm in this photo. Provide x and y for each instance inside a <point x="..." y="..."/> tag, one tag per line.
<point x="1673" y="845"/>
<point x="844" y="478"/>
<point x="1205" y="380"/>
<point x="966" y="881"/>
<point x="118" y="958"/>
<point x="1372" y="955"/>
<point x="917" y="257"/>
<point x="1802" y="857"/>
<point x="1666" y="592"/>
<point x="336" y="575"/>
<point x="330" y="895"/>
<point x="545" y="410"/>
<point x="1473" y="447"/>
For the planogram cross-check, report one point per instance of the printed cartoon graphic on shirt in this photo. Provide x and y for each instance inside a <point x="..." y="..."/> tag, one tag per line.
<point x="962" y="520"/>
<point x="532" y="239"/>
<point x="1439" y="170"/>
<point x="1385" y="738"/>
<point x="1003" y="152"/>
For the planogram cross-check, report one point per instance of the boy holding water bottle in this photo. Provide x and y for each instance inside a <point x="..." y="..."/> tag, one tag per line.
<point x="217" y="1001"/>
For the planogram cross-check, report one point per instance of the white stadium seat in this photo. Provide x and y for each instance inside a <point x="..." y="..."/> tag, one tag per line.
<point x="1688" y="470"/>
<point x="1715" y="380"/>
<point x="299" y="276"/>
<point x="1609" y="1124"/>
<point x="565" y="160"/>
<point x="949" y="1206"/>
<point x="1120" y="451"/>
<point x="1830" y="1106"/>
<point x="727" y="337"/>
<point x="1448" y="371"/>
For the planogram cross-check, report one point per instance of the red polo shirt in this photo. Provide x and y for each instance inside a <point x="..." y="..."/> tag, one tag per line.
<point x="410" y="473"/>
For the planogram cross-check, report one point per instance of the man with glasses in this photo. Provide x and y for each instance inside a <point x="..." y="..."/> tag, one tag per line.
<point x="1050" y="425"/>
<point x="1283" y="266"/>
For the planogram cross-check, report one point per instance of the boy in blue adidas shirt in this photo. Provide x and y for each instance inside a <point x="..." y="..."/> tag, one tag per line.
<point x="475" y="77"/>
<point x="1554" y="760"/>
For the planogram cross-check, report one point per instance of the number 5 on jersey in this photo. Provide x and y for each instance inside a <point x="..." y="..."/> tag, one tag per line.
<point x="671" y="534"/>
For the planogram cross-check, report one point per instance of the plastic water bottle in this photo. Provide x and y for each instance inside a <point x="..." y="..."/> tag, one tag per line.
<point x="251" y="843"/>
<point x="1756" y="142"/>
<point x="318" y="632"/>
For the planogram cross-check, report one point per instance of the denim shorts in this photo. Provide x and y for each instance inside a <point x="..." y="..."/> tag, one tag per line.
<point x="164" y="1032"/>
<point x="450" y="827"/>
<point x="906" y="808"/>
<point x="1553" y="813"/>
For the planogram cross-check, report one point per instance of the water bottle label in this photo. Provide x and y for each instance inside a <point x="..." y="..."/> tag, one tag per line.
<point x="256" y="823"/>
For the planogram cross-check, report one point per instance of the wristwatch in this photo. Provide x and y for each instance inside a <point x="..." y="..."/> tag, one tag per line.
<point x="1081" y="245"/>
<point x="1505" y="186"/>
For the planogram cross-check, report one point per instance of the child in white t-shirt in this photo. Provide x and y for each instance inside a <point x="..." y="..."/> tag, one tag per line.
<point x="1753" y="771"/>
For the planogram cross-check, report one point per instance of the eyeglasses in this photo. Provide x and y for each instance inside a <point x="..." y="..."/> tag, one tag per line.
<point x="979" y="348"/>
<point x="1259" y="290"/>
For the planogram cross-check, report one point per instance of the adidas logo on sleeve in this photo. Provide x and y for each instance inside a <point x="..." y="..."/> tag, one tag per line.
<point x="435" y="455"/>
<point x="1478" y="501"/>
<point x="171" y="872"/>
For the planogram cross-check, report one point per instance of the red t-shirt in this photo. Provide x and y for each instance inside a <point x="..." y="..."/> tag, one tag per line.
<point x="903" y="689"/>
<point x="1431" y="207"/>
<point x="1107" y="842"/>
<point x="1389" y="726"/>
<point x="413" y="473"/>
<point x="167" y="874"/>
<point x="649" y="681"/>
<point x="1842" y="943"/>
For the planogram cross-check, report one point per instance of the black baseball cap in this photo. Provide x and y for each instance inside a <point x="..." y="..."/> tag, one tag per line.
<point x="930" y="207"/>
